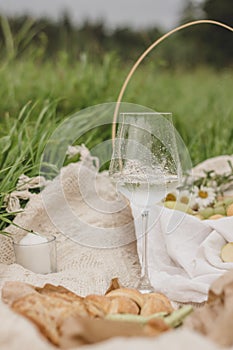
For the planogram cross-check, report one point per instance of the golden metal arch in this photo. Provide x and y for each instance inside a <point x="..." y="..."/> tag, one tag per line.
<point x="146" y="52"/>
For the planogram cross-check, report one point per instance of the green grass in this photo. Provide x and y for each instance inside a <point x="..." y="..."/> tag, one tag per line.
<point x="201" y="101"/>
<point x="35" y="97"/>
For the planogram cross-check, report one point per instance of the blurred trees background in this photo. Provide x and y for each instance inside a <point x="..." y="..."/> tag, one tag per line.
<point x="200" y="45"/>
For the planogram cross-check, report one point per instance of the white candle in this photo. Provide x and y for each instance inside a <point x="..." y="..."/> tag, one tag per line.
<point x="34" y="253"/>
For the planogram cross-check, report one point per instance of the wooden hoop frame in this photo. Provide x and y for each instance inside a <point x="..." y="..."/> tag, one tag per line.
<point x="146" y="52"/>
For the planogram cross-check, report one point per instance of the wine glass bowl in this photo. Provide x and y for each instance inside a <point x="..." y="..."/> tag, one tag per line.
<point x="145" y="166"/>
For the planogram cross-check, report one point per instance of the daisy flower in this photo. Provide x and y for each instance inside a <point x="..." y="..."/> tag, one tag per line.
<point x="204" y="196"/>
<point x="187" y="197"/>
<point x="182" y="196"/>
<point x="171" y="197"/>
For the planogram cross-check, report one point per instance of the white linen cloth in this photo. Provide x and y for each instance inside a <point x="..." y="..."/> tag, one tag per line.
<point x="184" y="262"/>
<point x="183" y="251"/>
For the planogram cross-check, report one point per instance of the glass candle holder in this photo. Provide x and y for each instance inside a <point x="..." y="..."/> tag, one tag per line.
<point x="36" y="253"/>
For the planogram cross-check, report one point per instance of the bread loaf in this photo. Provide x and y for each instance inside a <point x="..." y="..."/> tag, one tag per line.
<point x="50" y="308"/>
<point x="48" y="311"/>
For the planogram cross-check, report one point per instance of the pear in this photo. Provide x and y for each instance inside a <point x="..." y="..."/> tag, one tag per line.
<point x="230" y="210"/>
<point x="199" y="216"/>
<point x="207" y="212"/>
<point x="220" y="210"/>
<point x="219" y="204"/>
<point x="228" y="201"/>
<point x="227" y="252"/>
<point x="178" y="206"/>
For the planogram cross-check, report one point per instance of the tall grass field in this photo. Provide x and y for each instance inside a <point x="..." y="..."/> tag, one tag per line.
<point x="36" y="96"/>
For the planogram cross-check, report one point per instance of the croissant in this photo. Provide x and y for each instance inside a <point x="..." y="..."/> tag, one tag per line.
<point x="132" y="294"/>
<point x="155" y="302"/>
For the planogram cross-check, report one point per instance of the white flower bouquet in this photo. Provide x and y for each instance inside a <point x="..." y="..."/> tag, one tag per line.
<point x="205" y="196"/>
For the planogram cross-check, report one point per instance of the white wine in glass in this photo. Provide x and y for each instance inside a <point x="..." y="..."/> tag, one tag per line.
<point x="145" y="167"/>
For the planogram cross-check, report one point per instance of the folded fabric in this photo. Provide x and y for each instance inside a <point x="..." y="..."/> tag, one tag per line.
<point x="184" y="252"/>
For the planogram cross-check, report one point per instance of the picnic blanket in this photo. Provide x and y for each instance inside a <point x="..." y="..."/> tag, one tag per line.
<point x="105" y="247"/>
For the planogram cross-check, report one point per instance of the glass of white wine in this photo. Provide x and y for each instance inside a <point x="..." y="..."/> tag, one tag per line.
<point x="145" y="167"/>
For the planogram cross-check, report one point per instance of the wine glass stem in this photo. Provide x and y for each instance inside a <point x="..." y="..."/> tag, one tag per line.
<point x="144" y="268"/>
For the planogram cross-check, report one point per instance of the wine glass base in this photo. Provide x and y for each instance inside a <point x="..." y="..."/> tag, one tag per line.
<point x="145" y="288"/>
